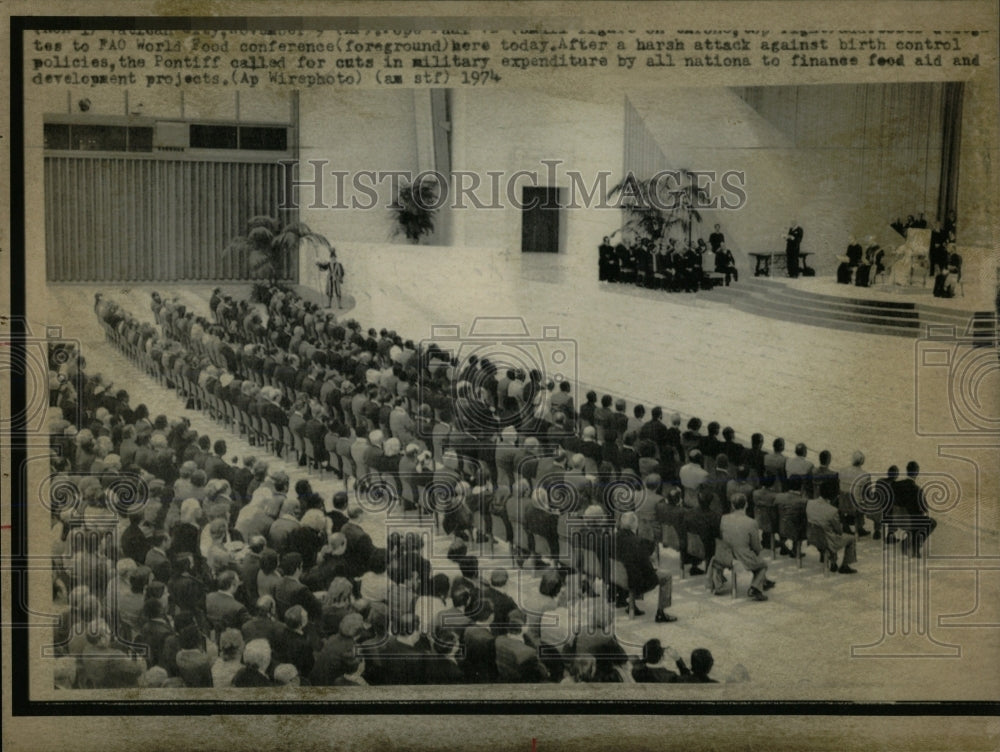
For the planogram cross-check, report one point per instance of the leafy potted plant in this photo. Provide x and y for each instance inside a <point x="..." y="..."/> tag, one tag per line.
<point x="652" y="207"/>
<point x="414" y="208"/>
<point x="268" y="246"/>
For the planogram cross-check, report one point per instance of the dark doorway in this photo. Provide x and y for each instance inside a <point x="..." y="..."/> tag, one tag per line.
<point x="540" y="220"/>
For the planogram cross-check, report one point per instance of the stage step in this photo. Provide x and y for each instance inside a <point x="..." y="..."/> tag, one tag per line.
<point x="777" y="300"/>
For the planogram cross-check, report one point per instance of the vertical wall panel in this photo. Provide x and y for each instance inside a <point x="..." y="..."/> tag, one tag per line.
<point x="128" y="219"/>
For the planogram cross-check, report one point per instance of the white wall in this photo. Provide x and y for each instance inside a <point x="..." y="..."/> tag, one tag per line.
<point x="818" y="184"/>
<point x="354" y="131"/>
<point x="512" y="130"/>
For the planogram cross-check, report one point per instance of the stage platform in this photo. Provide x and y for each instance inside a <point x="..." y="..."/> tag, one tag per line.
<point x="898" y="310"/>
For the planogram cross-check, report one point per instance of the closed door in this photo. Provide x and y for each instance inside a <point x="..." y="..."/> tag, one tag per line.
<point x="540" y="220"/>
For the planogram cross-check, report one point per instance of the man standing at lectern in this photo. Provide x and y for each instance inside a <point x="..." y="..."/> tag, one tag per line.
<point x="793" y="243"/>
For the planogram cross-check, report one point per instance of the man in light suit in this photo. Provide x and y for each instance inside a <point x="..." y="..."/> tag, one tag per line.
<point x="823" y="514"/>
<point x="743" y="538"/>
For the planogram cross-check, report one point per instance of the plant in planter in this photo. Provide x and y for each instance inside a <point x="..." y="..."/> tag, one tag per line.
<point x="653" y="207"/>
<point x="414" y="208"/>
<point x="267" y="246"/>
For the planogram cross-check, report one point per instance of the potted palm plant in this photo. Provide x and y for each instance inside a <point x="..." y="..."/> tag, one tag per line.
<point x="652" y="207"/>
<point x="414" y="208"/>
<point x="268" y="246"/>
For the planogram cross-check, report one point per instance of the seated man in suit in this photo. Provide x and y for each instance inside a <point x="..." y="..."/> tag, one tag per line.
<point x="702" y="521"/>
<point x="634" y="553"/>
<point x="742" y="536"/>
<point x="222" y="608"/>
<point x="650" y="670"/>
<point x="402" y="659"/>
<point x="701" y="664"/>
<point x="517" y="658"/>
<point x="791" y="507"/>
<point x="849" y="261"/>
<point x="726" y="264"/>
<point x="823" y="514"/>
<point x="910" y="513"/>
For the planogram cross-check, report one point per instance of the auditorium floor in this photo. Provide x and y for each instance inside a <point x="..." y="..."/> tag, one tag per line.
<point x="831" y="389"/>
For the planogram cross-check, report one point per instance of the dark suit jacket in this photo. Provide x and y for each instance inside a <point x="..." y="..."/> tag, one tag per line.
<point x="224" y="611"/>
<point x="653" y="675"/>
<point x="503" y="604"/>
<point x="518" y="662"/>
<point x="257" y="628"/>
<point x="292" y="647"/>
<point x="402" y="664"/>
<point x="480" y="662"/>
<point x="251" y="677"/>
<point x="291" y="592"/>
<point x="160" y="565"/>
<point x="634" y="552"/>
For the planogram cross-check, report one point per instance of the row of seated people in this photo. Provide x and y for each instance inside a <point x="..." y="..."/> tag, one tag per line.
<point x="670" y="442"/>
<point x="861" y="265"/>
<point x="665" y="444"/>
<point x="654" y="422"/>
<point x="156" y="602"/>
<point x="665" y="266"/>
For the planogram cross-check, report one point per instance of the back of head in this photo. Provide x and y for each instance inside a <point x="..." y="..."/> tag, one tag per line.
<point x="701" y="661"/>
<point x="257" y="654"/>
<point x="291" y="563"/>
<point x="652" y="651"/>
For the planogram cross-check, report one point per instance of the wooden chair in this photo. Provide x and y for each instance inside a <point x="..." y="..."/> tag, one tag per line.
<point x="817" y="538"/>
<point x="695" y="548"/>
<point x="725" y="559"/>
<point x="311" y="458"/>
<point x="765" y="521"/>
<point x="794" y="530"/>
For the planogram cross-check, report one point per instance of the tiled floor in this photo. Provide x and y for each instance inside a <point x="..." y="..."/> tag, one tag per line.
<point x="832" y="389"/>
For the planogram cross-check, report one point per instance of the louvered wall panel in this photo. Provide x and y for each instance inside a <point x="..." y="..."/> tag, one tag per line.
<point x="110" y="219"/>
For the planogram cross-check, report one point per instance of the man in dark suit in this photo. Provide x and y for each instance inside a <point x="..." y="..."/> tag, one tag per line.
<point x="155" y="631"/>
<point x="702" y="521"/>
<point x="793" y="244"/>
<point x="650" y="669"/>
<point x="222" y="608"/>
<point x="291" y="592"/>
<point x="156" y="557"/>
<point x="634" y="553"/>
<point x="441" y="666"/>
<point x="404" y="657"/>
<point x="791" y="506"/>
<point x="263" y="624"/>
<point x="701" y="664"/>
<point x="517" y="659"/>
<point x="479" y="664"/>
<point x="503" y="604"/>
<point x="910" y="510"/>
